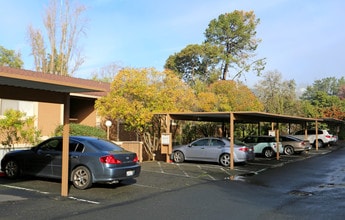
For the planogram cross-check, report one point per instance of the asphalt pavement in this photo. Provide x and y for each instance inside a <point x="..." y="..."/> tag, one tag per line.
<point x="213" y="171"/>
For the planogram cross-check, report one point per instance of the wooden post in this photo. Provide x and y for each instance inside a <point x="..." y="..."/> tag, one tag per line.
<point x="65" y="147"/>
<point x="232" y="137"/>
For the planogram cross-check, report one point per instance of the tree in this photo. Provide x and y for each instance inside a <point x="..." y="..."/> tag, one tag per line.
<point x="326" y="97"/>
<point x="10" y="58"/>
<point x="195" y="62"/>
<point x="230" y="43"/>
<point x="330" y="85"/>
<point x="64" y="25"/>
<point x="228" y="95"/>
<point x="136" y="95"/>
<point x="278" y="96"/>
<point x="235" y="35"/>
<point x="16" y="127"/>
<point x="106" y="73"/>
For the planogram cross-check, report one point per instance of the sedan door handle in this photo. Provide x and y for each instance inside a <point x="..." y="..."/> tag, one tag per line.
<point x="75" y="157"/>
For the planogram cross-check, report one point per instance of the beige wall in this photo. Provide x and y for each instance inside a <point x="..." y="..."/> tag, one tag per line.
<point x="49" y="117"/>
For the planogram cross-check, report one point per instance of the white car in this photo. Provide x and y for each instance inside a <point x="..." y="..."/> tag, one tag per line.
<point x="324" y="138"/>
<point x="264" y="145"/>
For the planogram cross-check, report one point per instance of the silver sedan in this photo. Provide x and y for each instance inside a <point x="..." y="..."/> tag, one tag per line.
<point x="212" y="149"/>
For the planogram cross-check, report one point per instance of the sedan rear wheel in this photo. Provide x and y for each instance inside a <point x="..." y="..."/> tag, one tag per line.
<point x="268" y="152"/>
<point x="12" y="169"/>
<point x="224" y="160"/>
<point x="81" y="178"/>
<point x="288" y="150"/>
<point x="178" y="157"/>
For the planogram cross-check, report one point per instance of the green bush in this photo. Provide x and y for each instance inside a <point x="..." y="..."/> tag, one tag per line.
<point x="82" y="130"/>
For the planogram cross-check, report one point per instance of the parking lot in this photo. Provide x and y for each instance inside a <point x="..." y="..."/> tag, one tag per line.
<point x="156" y="177"/>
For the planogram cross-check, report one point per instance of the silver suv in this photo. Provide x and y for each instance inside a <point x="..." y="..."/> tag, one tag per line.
<point x="324" y="137"/>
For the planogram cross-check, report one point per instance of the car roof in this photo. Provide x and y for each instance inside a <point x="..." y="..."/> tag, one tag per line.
<point x="79" y="138"/>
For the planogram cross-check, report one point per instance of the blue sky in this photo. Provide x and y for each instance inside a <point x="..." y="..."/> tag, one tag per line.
<point x="302" y="39"/>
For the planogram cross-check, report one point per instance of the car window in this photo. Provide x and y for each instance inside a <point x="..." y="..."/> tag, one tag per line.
<point x="298" y="133"/>
<point x="266" y="139"/>
<point x="202" y="142"/>
<point x="284" y="139"/>
<point x="310" y="132"/>
<point x="250" y="140"/>
<point x="52" y="145"/>
<point x="76" y="146"/>
<point x="216" y="142"/>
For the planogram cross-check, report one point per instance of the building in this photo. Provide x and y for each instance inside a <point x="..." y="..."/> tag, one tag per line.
<point x="50" y="115"/>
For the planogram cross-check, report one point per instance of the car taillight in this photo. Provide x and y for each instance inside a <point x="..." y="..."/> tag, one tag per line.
<point x="109" y="159"/>
<point x="136" y="159"/>
<point x="328" y="136"/>
<point x="244" y="149"/>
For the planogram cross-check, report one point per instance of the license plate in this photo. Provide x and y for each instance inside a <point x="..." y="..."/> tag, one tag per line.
<point x="130" y="173"/>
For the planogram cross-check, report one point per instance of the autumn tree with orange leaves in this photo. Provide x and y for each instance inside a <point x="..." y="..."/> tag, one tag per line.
<point x="138" y="94"/>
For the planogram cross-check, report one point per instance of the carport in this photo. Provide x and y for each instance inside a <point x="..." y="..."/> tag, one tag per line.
<point x="18" y="84"/>
<point x="239" y="117"/>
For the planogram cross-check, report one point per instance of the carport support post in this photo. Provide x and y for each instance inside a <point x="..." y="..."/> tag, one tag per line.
<point x="232" y="137"/>
<point x="65" y="146"/>
<point x="316" y="136"/>
<point x="277" y="140"/>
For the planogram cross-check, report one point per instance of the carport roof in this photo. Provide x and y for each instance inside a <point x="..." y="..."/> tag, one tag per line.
<point x="49" y="82"/>
<point x="239" y="116"/>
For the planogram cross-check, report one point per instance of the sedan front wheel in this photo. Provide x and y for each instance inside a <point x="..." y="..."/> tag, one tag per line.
<point x="12" y="169"/>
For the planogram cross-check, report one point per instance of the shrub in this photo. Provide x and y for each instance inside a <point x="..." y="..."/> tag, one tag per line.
<point x="82" y="130"/>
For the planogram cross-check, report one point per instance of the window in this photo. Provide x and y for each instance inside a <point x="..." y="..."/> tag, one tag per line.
<point x="52" y="145"/>
<point x="75" y="147"/>
<point x="203" y="142"/>
<point x="24" y="106"/>
<point x="215" y="142"/>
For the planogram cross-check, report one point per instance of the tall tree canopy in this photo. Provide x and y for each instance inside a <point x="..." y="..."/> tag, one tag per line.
<point x="195" y="63"/>
<point x="10" y="58"/>
<point x="235" y="35"/>
<point x="64" y="24"/>
<point x="325" y="98"/>
<point x="330" y="85"/>
<point x="278" y="96"/>
<point x="230" y="43"/>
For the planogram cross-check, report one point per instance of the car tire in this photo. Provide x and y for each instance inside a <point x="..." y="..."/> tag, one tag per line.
<point x="81" y="178"/>
<point x="320" y="143"/>
<point x="268" y="152"/>
<point x="178" y="157"/>
<point x="12" y="169"/>
<point x="289" y="150"/>
<point x="224" y="160"/>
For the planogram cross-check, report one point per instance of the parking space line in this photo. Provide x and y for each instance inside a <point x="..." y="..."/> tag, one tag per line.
<point x="205" y="172"/>
<point x="160" y="167"/>
<point x="84" y="200"/>
<point x="47" y="193"/>
<point x="183" y="171"/>
<point x="26" y="189"/>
